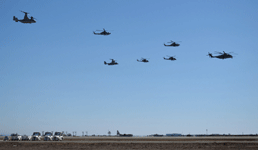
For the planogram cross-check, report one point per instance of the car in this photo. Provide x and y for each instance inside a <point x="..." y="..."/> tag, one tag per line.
<point x="48" y="136"/>
<point x="16" y="137"/>
<point x="6" y="138"/>
<point x="26" y="138"/>
<point x="36" y="136"/>
<point x="58" y="136"/>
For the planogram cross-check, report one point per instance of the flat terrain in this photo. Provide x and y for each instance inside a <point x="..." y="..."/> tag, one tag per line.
<point x="145" y="143"/>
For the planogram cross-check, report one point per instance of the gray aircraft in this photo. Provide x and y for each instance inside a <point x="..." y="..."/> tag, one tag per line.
<point x="174" y="44"/>
<point x="104" y="32"/>
<point x="113" y="62"/>
<point x="143" y="60"/>
<point x="221" y="56"/>
<point x="170" y="58"/>
<point x="123" y="135"/>
<point x="26" y="19"/>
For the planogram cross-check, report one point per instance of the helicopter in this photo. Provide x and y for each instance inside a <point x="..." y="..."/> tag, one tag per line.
<point x="26" y="19"/>
<point x="113" y="62"/>
<point x="143" y="60"/>
<point x="170" y="58"/>
<point x="223" y="55"/>
<point x="174" y="44"/>
<point x="104" y="32"/>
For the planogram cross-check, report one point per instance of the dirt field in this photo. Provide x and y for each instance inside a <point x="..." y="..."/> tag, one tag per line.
<point x="146" y="143"/>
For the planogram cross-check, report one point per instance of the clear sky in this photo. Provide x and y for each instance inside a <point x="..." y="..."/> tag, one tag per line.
<point x="53" y="77"/>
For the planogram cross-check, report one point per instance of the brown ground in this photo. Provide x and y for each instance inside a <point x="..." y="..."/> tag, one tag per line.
<point x="143" y="143"/>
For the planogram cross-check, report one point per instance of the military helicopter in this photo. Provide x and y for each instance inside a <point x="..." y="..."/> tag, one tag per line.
<point x="26" y="19"/>
<point x="174" y="44"/>
<point x="104" y="32"/>
<point x="221" y="56"/>
<point x="170" y="58"/>
<point x="113" y="62"/>
<point x="143" y="60"/>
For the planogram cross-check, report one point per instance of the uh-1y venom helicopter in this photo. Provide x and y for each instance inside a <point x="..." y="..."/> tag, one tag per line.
<point x="174" y="44"/>
<point x="170" y="58"/>
<point x="222" y="56"/>
<point x="113" y="62"/>
<point x="143" y="60"/>
<point x="26" y="19"/>
<point x="104" y="32"/>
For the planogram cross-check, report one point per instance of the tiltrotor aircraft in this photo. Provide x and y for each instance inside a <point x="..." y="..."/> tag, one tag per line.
<point x="104" y="32"/>
<point x="170" y="58"/>
<point x="26" y="19"/>
<point x="174" y="44"/>
<point x="143" y="60"/>
<point x="221" y="56"/>
<point x="113" y="62"/>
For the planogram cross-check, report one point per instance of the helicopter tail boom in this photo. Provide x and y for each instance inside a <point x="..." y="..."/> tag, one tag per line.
<point x="210" y="55"/>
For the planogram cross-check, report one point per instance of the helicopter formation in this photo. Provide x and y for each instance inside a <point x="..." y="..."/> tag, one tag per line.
<point x="223" y="55"/>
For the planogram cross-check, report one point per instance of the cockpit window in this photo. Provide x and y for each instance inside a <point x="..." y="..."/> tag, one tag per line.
<point x="57" y="133"/>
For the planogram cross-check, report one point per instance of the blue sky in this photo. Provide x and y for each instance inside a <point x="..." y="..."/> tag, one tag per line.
<point x="53" y="77"/>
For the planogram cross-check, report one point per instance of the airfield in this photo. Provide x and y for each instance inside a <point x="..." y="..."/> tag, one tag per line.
<point x="143" y="143"/>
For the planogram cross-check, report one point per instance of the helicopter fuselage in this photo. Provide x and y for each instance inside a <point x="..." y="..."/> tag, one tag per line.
<point x="223" y="56"/>
<point x="112" y="63"/>
<point x="102" y="33"/>
<point x="27" y="20"/>
<point x="173" y="45"/>
<point x="171" y="58"/>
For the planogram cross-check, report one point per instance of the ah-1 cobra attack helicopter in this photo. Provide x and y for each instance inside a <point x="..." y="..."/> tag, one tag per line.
<point x="143" y="60"/>
<point x="104" y="32"/>
<point x="113" y="62"/>
<point x="26" y="19"/>
<point x="174" y="44"/>
<point x="170" y="58"/>
<point x="222" y="56"/>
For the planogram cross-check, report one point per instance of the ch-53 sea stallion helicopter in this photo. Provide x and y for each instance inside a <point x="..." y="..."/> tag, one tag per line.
<point x="170" y="58"/>
<point x="104" y="32"/>
<point x="26" y="19"/>
<point x="143" y="60"/>
<point x="223" y="55"/>
<point x="174" y="44"/>
<point x="113" y="62"/>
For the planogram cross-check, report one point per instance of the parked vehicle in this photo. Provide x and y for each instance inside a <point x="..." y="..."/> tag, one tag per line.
<point x="16" y="137"/>
<point x="48" y="136"/>
<point x="36" y="136"/>
<point x="26" y="138"/>
<point x="58" y="136"/>
<point x="6" y="138"/>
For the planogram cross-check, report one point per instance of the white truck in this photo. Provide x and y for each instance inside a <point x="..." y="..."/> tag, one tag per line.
<point x="48" y="136"/>
<point x="58" y="136"/>
<point x="36" y="136"/>
<point x="16" y="137"/>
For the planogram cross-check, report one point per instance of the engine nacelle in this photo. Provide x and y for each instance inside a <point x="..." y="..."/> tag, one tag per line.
<point x="15" y="19"/>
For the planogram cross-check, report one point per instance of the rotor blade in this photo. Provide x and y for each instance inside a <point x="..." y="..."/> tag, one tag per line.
<point x="218" y="52"/>
<point x="232" y="53"/>
<point x="24" y="12"/>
